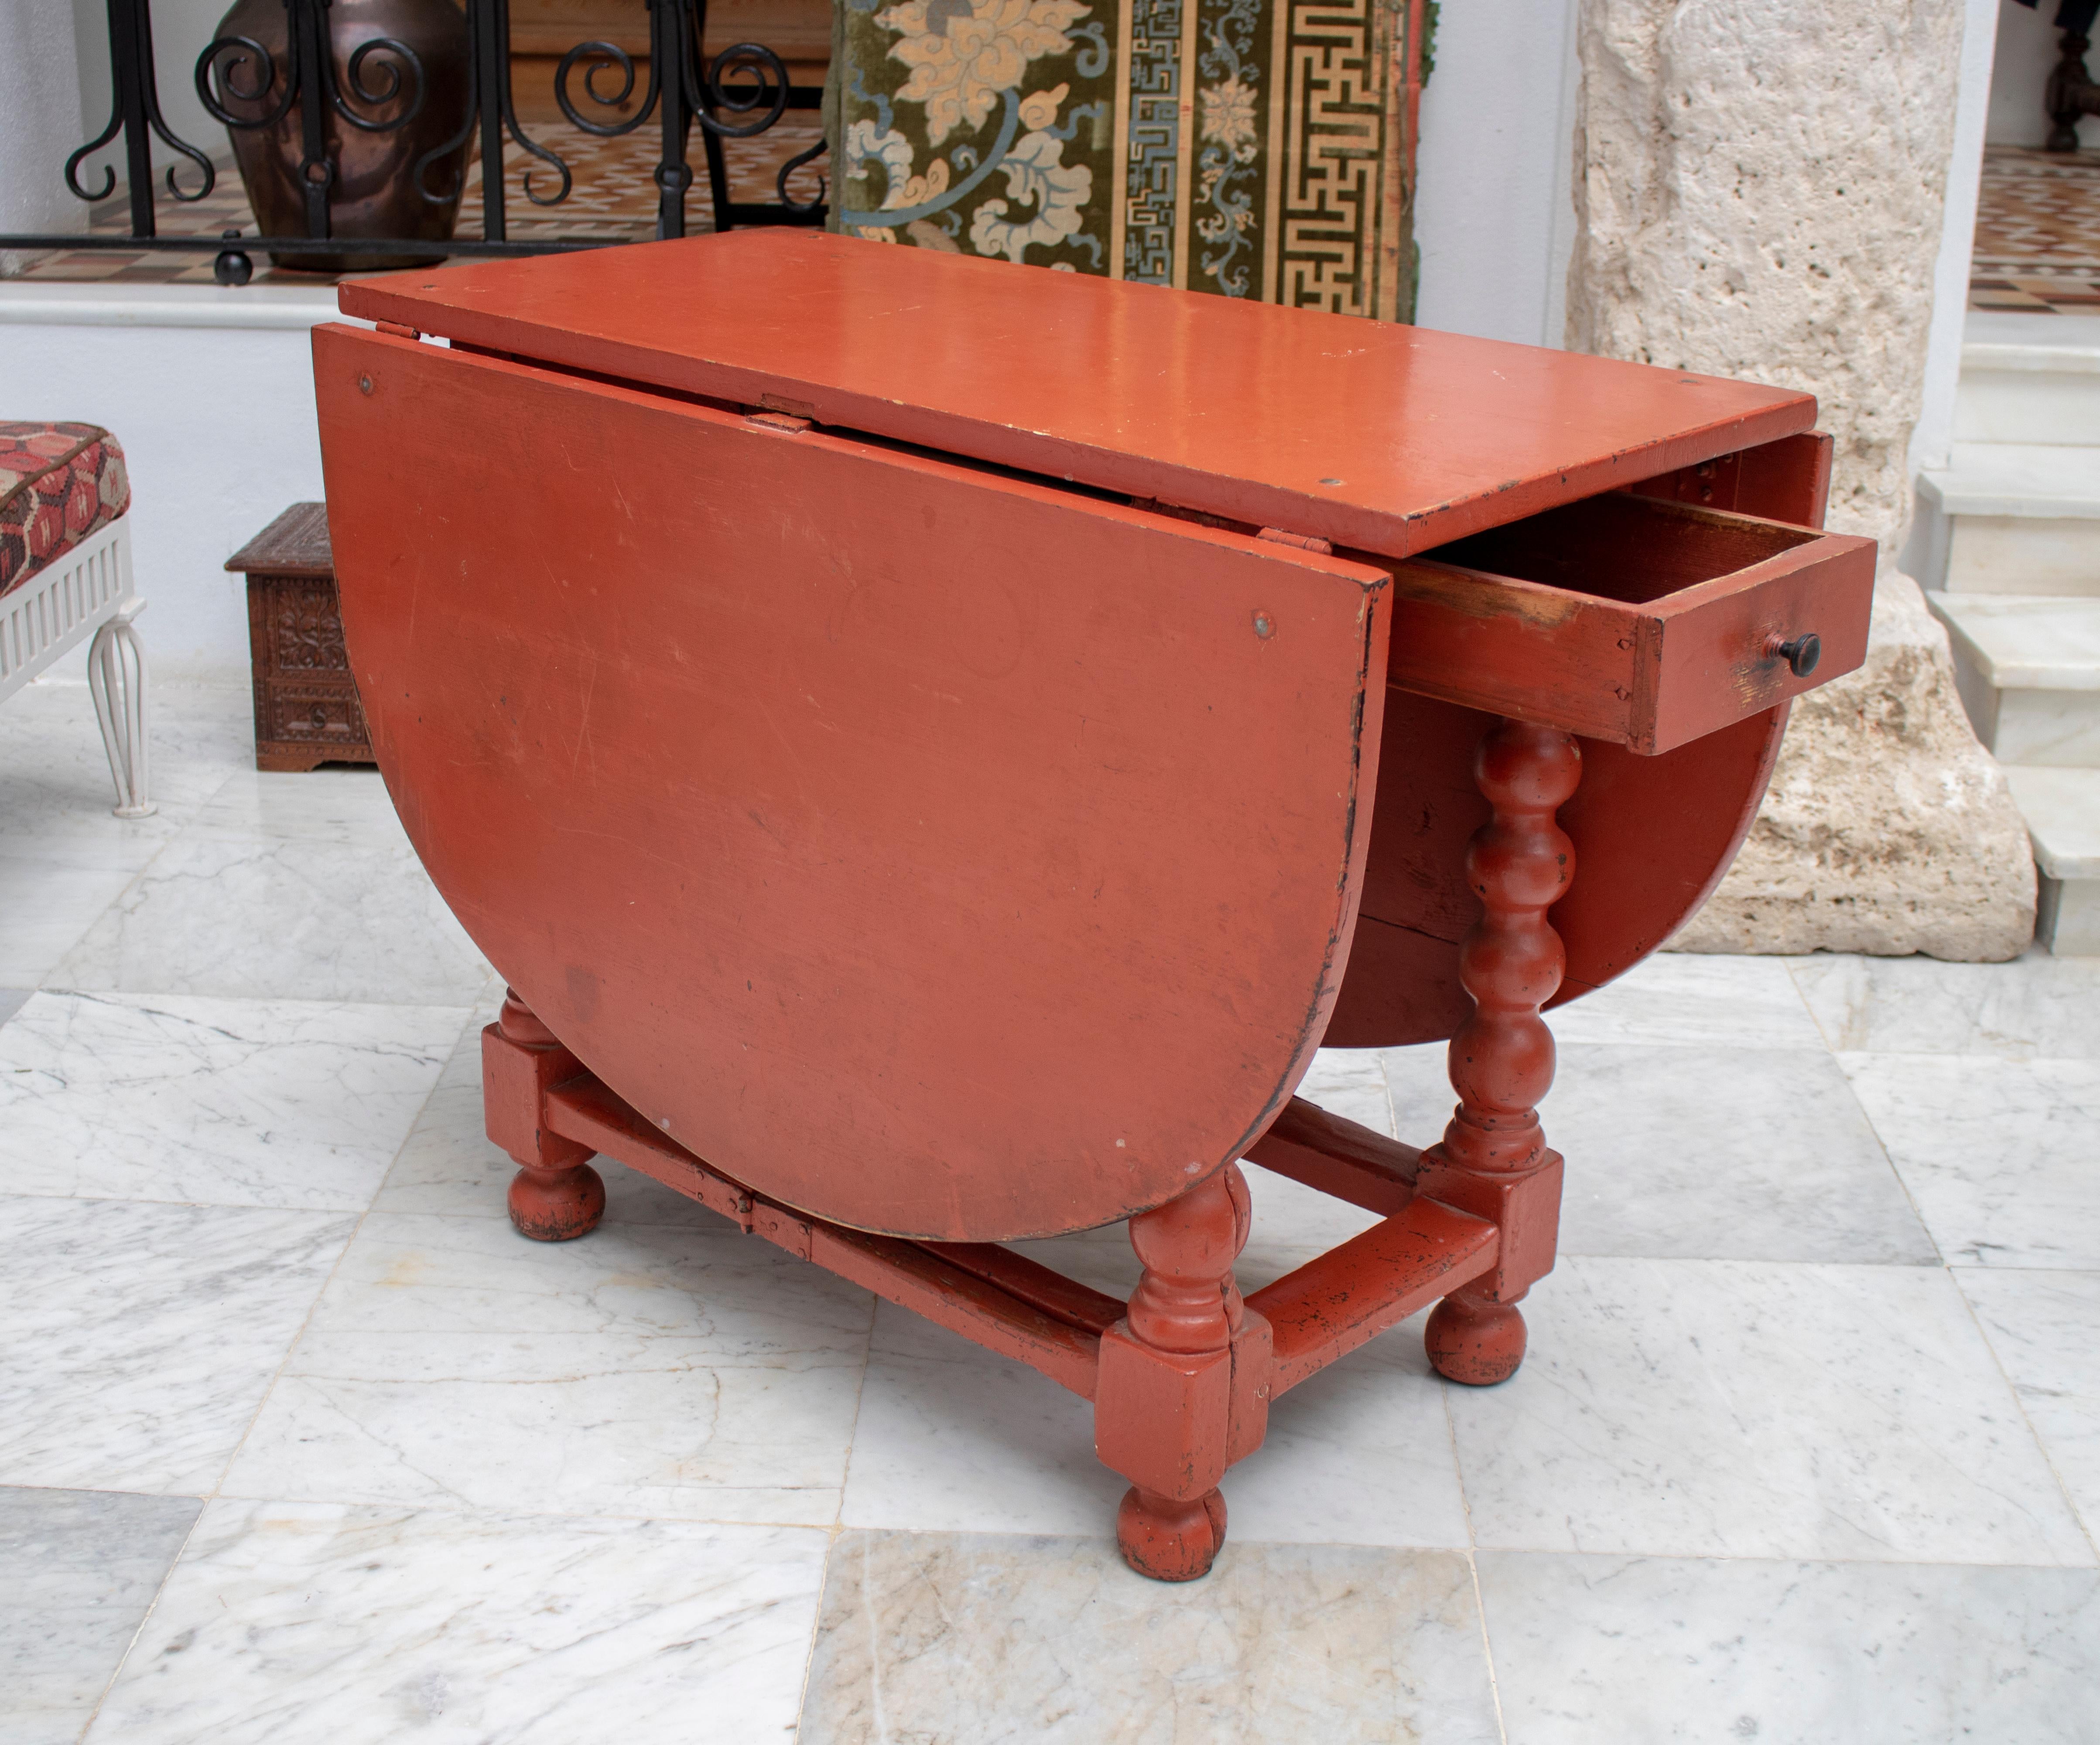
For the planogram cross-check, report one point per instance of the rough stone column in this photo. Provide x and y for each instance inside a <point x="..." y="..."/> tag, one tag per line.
<point x="1758" y="187"/>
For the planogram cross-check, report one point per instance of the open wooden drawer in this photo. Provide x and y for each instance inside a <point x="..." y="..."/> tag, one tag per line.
<point x="1631" y="618"/>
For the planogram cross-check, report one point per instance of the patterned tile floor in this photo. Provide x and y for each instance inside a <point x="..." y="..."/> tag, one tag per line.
<point x="2037" y="232"/>
<point x="298" y="1442"/>
<point x="613" y="197"/>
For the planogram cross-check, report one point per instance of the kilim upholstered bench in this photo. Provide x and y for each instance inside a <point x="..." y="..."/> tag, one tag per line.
<point x="65" y="576"/>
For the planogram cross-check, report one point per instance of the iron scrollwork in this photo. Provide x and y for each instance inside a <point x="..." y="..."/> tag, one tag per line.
<point x="684" y="88"/>
<point x="383" y="84"/>
<point x="134" y="111"/>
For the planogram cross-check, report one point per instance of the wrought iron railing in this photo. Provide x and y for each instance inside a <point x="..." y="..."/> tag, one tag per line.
<point x="738" y="94"/>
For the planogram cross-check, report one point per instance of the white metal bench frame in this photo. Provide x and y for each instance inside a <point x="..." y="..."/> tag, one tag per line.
<point x="86" y="593"/>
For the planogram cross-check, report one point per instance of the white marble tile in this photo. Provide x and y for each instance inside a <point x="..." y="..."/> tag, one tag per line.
<point x="1588" y="1649"/>
<point x="1725" y="1408"/>
<point x="49" y="901"/>
<point x="1682" y="998"/>
<point x="1706" y="1152"/>
<point x="2046" y="1328"/>
<point x="1418" y="1081"/>
<point x="953" y="1437"/>
<point x="1360" y="1454"/>
<point x="141" y="1338"/>
<point x="348" y="807"/>
<point x="286" y="1621"/>
<point x="231" y="1102"/>
<point x="2036" y="1005"/>
<point x="448" y="1165"/>
<point x="78" y="1571"/>
<point x="1999" y="1154"/>
<point x="928" y="1638"/>
<point x="1350" y="1083"/>
<point x="639" y="1371"/>
<point x="256" y="918"/>
<point x="55" y="782"/>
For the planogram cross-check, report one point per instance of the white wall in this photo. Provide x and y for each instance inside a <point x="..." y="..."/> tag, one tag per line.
<point x="39" y="120"/>
<point x="2027" y="49"/>
<point x="1495" y="204"/>
<point x="211" y="393"/>
<point x="181" y="29"/>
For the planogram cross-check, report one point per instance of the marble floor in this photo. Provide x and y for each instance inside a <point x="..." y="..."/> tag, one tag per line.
<point x="298" y="1442"/>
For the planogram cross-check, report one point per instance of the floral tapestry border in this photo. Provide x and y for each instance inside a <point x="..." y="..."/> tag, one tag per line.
<point x="1259" y="149"/>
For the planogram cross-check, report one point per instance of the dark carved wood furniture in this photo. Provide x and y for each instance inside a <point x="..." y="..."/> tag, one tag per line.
<point x="935" y="750"/>
<point x="306" y="711"/>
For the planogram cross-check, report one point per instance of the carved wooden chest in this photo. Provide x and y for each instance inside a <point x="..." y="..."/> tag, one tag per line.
<point x="307" y="710"/>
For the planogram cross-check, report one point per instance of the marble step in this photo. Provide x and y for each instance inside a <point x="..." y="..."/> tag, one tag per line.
<point x="2029" y="672"/>
<point x="2029" y="378"/>
<point x="2061" y="808"/>
<point x="2013" y="518"/>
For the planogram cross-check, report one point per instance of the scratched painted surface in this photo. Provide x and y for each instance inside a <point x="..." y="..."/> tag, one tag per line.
<point x="937" y="853"/>
<point x="1383" y="437"/>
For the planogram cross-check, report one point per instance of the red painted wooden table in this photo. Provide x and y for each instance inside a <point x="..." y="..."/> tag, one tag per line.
<point x="934" y="749"/>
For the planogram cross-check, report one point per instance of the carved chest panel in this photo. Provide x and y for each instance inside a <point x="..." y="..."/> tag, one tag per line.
<point x="307" y="707"/>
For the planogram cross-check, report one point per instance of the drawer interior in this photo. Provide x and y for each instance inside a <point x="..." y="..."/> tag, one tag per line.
<point x="1617" y="546"/>
<point x="1635" y="619"/>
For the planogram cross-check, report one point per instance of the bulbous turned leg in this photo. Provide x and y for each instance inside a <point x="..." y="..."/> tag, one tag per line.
<point x="1475" y="1340"/>
<point x="1492" y="1160"/>
<point x="556" y="1195"/>
<point x="1167" y="1540"/>
<point x="1164" y="1400"/>
<point x="557" y="1205"/>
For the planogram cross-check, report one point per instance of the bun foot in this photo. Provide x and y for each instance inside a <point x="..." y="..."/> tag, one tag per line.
<point x="1167" y="1540"/>
<point x="557" y="1205"/>
<point x="1474" y="1341"/>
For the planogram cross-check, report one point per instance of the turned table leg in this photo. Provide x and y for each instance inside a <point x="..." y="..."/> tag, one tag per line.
<point x="1493" y="1161"/>
<point x="1164" y="1406"/>
<point x="556" y="1194"/>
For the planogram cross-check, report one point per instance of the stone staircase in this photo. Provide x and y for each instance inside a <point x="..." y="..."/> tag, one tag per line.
<point x="2010" y="545"/>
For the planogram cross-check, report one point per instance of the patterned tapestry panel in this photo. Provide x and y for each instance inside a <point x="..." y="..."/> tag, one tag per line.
<point x="1260" y="148"/>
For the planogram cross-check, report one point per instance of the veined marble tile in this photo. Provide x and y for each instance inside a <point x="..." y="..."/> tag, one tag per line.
<point x="141" y="1338"/>
<point x="233" y="1102"/>
<point x="345" y="805"/>
<point x="287" y="1621"/>
<point x="1725" y="1408"/>
<point x="937" y="1637"/>
<point x="65" y="859"/>
<point x="1999" y="1154"/>
<point x="952" y="1437"/>
<point x="254" y="918"/>
<point x="1350" y="1082"/>
<point x="1612" y="1647"/>
<point x="639" y="1371"/>
<point x="55" y="782"/>
<point x="78" y="1571"/>
<point x="1418" y="1081"/>
<point x="1682" y="998"/>
<point x="49" y="903"/>
<point x="448" y="1165"/>
<point x="1704" y="1152"/>
<point x="2037" y="1007"/>
<point x="2046" y="1328"/>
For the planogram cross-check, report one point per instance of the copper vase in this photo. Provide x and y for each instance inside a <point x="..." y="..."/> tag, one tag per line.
<point x="374" y="187"/>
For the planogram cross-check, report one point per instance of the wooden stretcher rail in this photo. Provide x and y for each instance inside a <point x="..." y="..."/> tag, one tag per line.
<point x="994" y="1303"/>
<point x="1338" y="1157"/>
<point x="1320" y="1312"/>
<point x="1348" y="1296"/>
